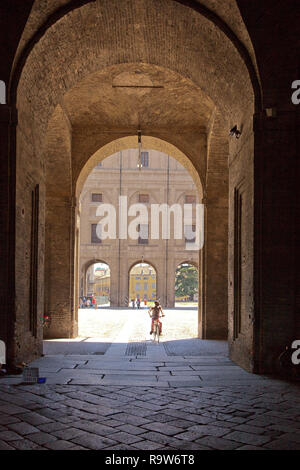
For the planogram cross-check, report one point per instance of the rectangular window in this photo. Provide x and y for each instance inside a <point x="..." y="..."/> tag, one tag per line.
<point x="143" y="238"/>
<point x="237" y="261"/>
<point x="153" y="285"/>
<point x="96" y="197"/>
<point x="144" y="198"/>
<point x="99" y="165"/>
<point x="145" y="159"/>
<point x="137" y="286"/>
<point x="34" y="249"/>
<point x="94" y="234"/>
<point x="189" y="233"/>
<point x="145" y="286"/>
<point x="189" y="199"/>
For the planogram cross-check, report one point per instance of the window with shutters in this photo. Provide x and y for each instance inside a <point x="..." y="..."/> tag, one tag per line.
<point x="145" y="159"/>
<point x="143" y="238"/>
<point x="144" y="198"/>
<point x="96" y="233"/>
<point x="189" y="199"/>
<point x="96" y="197"/>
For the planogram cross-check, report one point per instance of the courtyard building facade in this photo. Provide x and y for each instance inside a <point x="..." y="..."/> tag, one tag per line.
<point x="161" y="180"/>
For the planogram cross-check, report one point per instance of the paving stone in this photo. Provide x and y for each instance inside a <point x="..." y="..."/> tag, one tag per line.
<point x="9" y="436"/>
<point x="209" y="430"/>
<point x="11" y="409"/>
<point x="125" y="438"/>
<point x="76" y="447"/>
<point x="163" y="428"/>
<point x="283" y="428"/>
<point x="187" y="416"/>
<point x="180" y="423"/>
<point x="94" y="428"/>
<point x="121" y="446"/>
<point x="131" y="419"/>
<point x="66" y="419"/>
<point x="60" y="445"/>
<point x="26" y="444"/>
<point x="49" y="427"/>
<point x="250" y="429"/>
<point x="147" y="405"/>
<point x="34" y="418"/>
<point x="262" y="421"/>
<point x="185" y="383"/>
<point x="293" y="437"/>
<point x="6" y="446"/>
<point x="247" y="438"/>
<point x="189" y="435"/>
<point x="249" y="447"/>
<point x="159" y="438"/>
<point x="185" y="445"/>
<point x="162" y="418"/>
<point x="114" y="423"/>
<point x="130" y="429"/>
<point x="8" y="419"/>
<point x="68" y="434"/>
<point x="23" y="428"/>
<point x="217" y="443"/>
<point x="91" y="441"/>
<point x="41" y="437"/>
<point x="146" y="445"/>
<point x="282" y="444"/>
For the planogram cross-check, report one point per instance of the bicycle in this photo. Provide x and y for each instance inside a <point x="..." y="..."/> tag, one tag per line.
<point x="156" y="331"/>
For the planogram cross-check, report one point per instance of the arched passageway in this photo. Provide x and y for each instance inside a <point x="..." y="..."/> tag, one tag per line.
<point x="95" y="285"/>
<point x="142" y="285"/>
<point x="105" y="95"/>
<point x="179" y="82"/>
<point x="186" y="285"/>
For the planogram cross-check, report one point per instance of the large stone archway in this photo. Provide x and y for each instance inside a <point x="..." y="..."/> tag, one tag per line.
<point x="194" y="67"/>
<point x="165" y="266"/>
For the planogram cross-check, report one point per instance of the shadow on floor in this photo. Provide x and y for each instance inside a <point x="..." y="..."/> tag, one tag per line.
<point x="183" y="347"/>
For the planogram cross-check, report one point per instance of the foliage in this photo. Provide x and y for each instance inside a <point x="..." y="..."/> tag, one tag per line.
<point x="186" y="282"/>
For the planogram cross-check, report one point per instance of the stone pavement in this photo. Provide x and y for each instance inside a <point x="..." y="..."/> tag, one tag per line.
<point x="177" y="395"/>
<point x="260" y="415"/>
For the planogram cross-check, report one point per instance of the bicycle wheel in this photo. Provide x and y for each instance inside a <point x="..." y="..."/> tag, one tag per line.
<point x="157" y="332"/>
<point x="154" y="334"/>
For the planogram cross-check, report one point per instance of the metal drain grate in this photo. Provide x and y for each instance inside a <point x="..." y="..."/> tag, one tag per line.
<point x="136" y="349"/>
<point x="30" y="375"/>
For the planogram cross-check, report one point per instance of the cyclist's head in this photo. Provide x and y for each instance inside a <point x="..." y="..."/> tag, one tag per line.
<point x="156" y="303"/>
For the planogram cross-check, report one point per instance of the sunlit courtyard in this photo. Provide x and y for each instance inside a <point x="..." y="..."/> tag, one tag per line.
<point x="107" y="323"/>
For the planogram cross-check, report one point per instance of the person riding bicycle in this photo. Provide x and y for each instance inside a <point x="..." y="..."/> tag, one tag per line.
<point x="155" y="313"/>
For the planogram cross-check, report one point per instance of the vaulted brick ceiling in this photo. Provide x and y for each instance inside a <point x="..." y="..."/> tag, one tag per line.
<point x="86" y="49"/>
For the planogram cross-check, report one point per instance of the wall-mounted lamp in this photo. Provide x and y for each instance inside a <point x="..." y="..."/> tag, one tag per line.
<point x="271" y="112"/>
<point x="139" y="165"/>
<point x="235" y="132"/>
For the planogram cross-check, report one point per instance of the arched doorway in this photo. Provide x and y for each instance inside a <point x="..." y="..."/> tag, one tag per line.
<point x="186" y="285"/>
<point x="142" y="285"/>
<point x="180" y="91"/>
<point x="95" y="286"/>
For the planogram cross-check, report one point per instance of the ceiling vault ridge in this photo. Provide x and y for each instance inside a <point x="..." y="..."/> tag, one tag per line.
<point x="76" y="4"/>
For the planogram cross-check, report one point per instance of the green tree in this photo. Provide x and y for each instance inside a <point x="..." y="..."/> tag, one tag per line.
<point x="186" y="282"/>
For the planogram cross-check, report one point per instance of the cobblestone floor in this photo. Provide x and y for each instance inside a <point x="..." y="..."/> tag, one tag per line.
<point x="134" y="418"/>
<point x="185" y="396"/>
